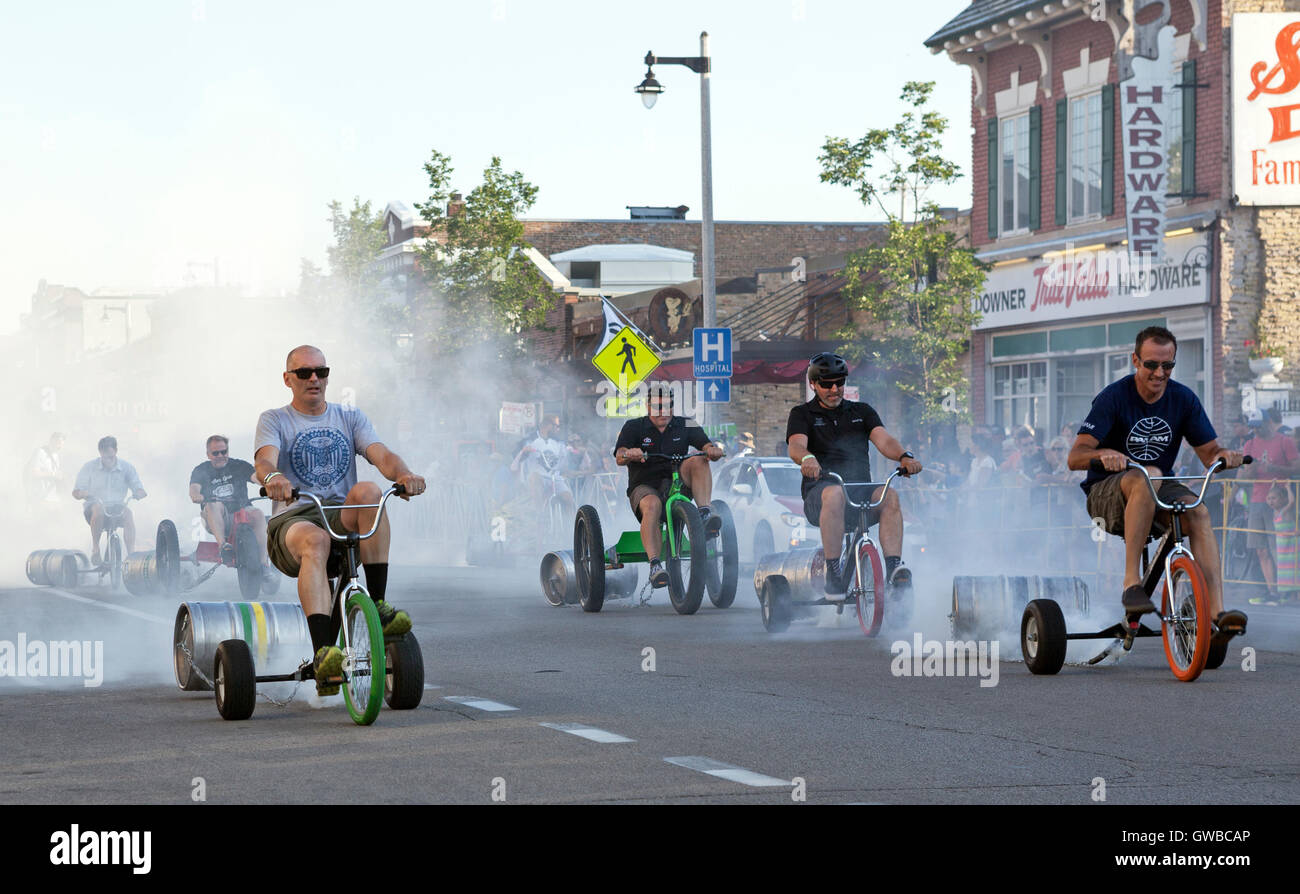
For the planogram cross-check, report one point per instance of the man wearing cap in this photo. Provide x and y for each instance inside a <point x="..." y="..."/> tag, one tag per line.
<point x="831" y="434"/>
<point x="1275" y="458"/>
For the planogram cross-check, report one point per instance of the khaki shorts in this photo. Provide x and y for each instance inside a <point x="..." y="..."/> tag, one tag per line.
<point x="1106" y="501"/>
<point x="641" y="491"/>
<point x="1260" y="518"/>
<point x="279" y="525"/>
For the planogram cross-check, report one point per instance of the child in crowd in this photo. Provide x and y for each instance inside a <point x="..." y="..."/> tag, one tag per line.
<point x="1284" y="526"/>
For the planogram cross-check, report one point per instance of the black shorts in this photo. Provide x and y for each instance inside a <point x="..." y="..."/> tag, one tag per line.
<point x="641" y="491"/>
<point x="812" y="504"/>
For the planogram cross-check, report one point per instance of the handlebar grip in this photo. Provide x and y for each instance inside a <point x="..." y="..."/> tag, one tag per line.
<point x="1247" y="460"/>
<point x="1096" y="465"/>
<point x="261" y="492"/>
<point x="399" y="489"/>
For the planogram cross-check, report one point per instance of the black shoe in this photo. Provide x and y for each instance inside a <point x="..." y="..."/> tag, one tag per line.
<point x="227" y="554"/>
<point x="1229" y="624"/>
<point x="836" y="580"/>
<point x="658" y="574"/>
<point x="712" y="523"/>
<point x="901" y="577"/>
<point x="1137" y="602"/>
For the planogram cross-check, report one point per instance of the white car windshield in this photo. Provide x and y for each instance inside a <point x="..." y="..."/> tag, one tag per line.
<point x="783" y="480"/>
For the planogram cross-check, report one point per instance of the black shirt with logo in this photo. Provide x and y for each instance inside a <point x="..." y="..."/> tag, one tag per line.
<point x="673" y="440"/>
<point x="839" y="438"/>
<point x="1149" y="433"/>
<point x="229" y="484"/>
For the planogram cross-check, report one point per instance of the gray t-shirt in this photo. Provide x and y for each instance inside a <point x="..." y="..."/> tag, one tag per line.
<point x="317" y="453"/>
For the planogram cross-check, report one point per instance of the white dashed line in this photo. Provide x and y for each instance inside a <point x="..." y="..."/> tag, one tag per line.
<point x="109" y="605"/>
<point x="588" y="732"/>
<point x="729" y="772"/>
<point x="482" y="704"/>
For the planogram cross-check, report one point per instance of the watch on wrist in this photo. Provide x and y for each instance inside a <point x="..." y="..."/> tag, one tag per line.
<point x="907" y="455"/>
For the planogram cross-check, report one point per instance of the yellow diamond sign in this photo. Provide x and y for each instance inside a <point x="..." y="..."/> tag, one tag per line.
<point x="627" y="360"/>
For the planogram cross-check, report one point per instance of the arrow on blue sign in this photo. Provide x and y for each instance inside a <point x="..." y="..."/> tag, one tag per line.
<point x="714" y="391"/>
<point x="712" y="353"/>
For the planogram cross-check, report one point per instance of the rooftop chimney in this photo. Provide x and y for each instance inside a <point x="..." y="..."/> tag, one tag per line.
<point x="455" y="205"/>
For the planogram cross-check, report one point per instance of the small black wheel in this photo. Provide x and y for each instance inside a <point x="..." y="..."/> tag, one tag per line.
<point x="724" y="567"/>
<point x="689" y="569"/>
<point x="167" y="558"/>
<point x="1218" y="652"/>
<point x="1042" y="636"/>
<point x="589" y="559"/>
<point x="775" y="602"/>
<point x="248" y="563"/>
<point x="235" y="679"/>
<point x="404" y="682"/>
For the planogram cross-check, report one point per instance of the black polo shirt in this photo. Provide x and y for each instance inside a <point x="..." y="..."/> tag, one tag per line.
<point x="673" y="440"/>
<point x="839" y="438"/>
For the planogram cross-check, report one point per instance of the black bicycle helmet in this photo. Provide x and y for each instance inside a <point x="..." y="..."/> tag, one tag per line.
<point x="827" y="366"/>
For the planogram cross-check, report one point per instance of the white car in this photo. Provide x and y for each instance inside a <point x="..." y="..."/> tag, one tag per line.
<point x="763" y="493"/>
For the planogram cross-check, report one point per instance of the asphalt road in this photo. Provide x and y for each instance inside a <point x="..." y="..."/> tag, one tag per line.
<point x="531" y="703"/>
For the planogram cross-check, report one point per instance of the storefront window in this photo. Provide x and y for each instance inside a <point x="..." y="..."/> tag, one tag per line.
<point x="1191" y="365"/>
<point x="1020" y="394"/>
<point x="1075" y="387"/>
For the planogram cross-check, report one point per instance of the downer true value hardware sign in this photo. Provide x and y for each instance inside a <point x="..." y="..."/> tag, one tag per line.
<point x="1081" y="284"/>
<point x="1266" y="108"/>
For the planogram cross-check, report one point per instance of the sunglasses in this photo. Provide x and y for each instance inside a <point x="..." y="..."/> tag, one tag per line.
<point x="830" y="384"/>
<point x="1154" y="364"/>
<point x="218" y="452"/>
<point x="304" y="372"/>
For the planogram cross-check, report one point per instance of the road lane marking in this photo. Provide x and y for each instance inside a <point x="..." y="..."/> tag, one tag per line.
<point x="588" y="732"/>
<point x="729" y="772"/>
<point x="110" y="605"/>
<point x="482" y="704"/>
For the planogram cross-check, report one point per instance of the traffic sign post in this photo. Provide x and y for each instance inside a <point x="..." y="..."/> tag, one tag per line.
<point x="712" y="349"/>
<point x="627" y="360"/>
<point x="713" y="391"/>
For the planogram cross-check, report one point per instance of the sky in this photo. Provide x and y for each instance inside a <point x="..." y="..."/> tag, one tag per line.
<point x="145" y="142"/>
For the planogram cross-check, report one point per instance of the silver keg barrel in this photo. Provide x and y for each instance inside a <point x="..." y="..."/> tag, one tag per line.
<point x="987" y="604"/>
<point x="141" y="574"/>
<point x="804" y="569"/>
<point x="276" y="633"/>
<point x="560" y="581"/>
<point x="56" y="567"/>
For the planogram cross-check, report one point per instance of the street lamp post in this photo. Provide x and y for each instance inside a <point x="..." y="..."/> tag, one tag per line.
<point x="650" y="90"/>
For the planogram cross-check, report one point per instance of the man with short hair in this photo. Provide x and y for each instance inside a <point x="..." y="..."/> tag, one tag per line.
<point x="220" y="487"/>
<point x="102" y="483"/>
<point x="831" y="434"/>
<point x="649" y="478"/>
<point x="1275" y="457"/>
<point x="312" y="445"/>
<point x="542" y="460"/>
<point x="1145" y="416"/>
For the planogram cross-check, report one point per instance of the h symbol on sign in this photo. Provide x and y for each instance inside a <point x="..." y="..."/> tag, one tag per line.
<point x="708" y="346"/>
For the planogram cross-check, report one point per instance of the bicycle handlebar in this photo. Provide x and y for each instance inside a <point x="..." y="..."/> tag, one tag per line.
<point x="1096" y="466"/>
<point x="677" y="457"/>
<point x="396" y="489"/>
<point x="847" y="484"/>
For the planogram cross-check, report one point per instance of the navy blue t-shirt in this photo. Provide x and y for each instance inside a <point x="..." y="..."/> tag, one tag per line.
<point x="1148" y="433"/>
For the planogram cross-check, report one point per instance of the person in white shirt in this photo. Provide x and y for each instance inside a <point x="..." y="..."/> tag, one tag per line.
<point x="107" y="480"/>
<point x="541" y="461"/>
<point x="43" y="472"/>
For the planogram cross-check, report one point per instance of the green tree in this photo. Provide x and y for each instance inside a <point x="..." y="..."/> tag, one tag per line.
<point x="483" y="289"/>
<point x="918" y="284"/>
<point x="358" y="240"/>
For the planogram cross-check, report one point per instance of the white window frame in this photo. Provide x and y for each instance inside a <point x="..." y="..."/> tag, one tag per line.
<point x="1005" y="182"/>
<point x="1073" y="214"/>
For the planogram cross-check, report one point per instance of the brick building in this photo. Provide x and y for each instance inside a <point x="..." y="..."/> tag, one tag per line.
<point x="1049" y="80"/>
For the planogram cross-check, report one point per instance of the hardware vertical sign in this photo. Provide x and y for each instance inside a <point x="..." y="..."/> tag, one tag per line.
<point x="1266" y="108"/>
<point x="1144" y="113"/>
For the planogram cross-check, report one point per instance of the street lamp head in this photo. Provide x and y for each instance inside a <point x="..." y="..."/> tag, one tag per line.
<point x="649" y="89"/>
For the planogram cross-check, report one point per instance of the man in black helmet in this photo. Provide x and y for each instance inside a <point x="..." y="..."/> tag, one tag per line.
<point x="830" y="434"/>
<point x="648" y="478"/>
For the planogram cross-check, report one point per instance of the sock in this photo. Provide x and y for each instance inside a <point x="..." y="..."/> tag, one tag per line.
<point x="891" y="562"/>
<point x="832" y="567"/>
<point x="376" y="579"/>
<point x="336" y="623"/>
<point x="319" y="625"/>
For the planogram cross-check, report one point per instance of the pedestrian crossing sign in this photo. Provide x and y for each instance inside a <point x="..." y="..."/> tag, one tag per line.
<point x="626" y="360"/>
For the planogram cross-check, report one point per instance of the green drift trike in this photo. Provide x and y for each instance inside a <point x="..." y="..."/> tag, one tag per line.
<point x="683" y="535"/>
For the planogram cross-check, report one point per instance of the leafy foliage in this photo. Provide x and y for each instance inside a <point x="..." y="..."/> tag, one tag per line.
<point x="918" y="285"/>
